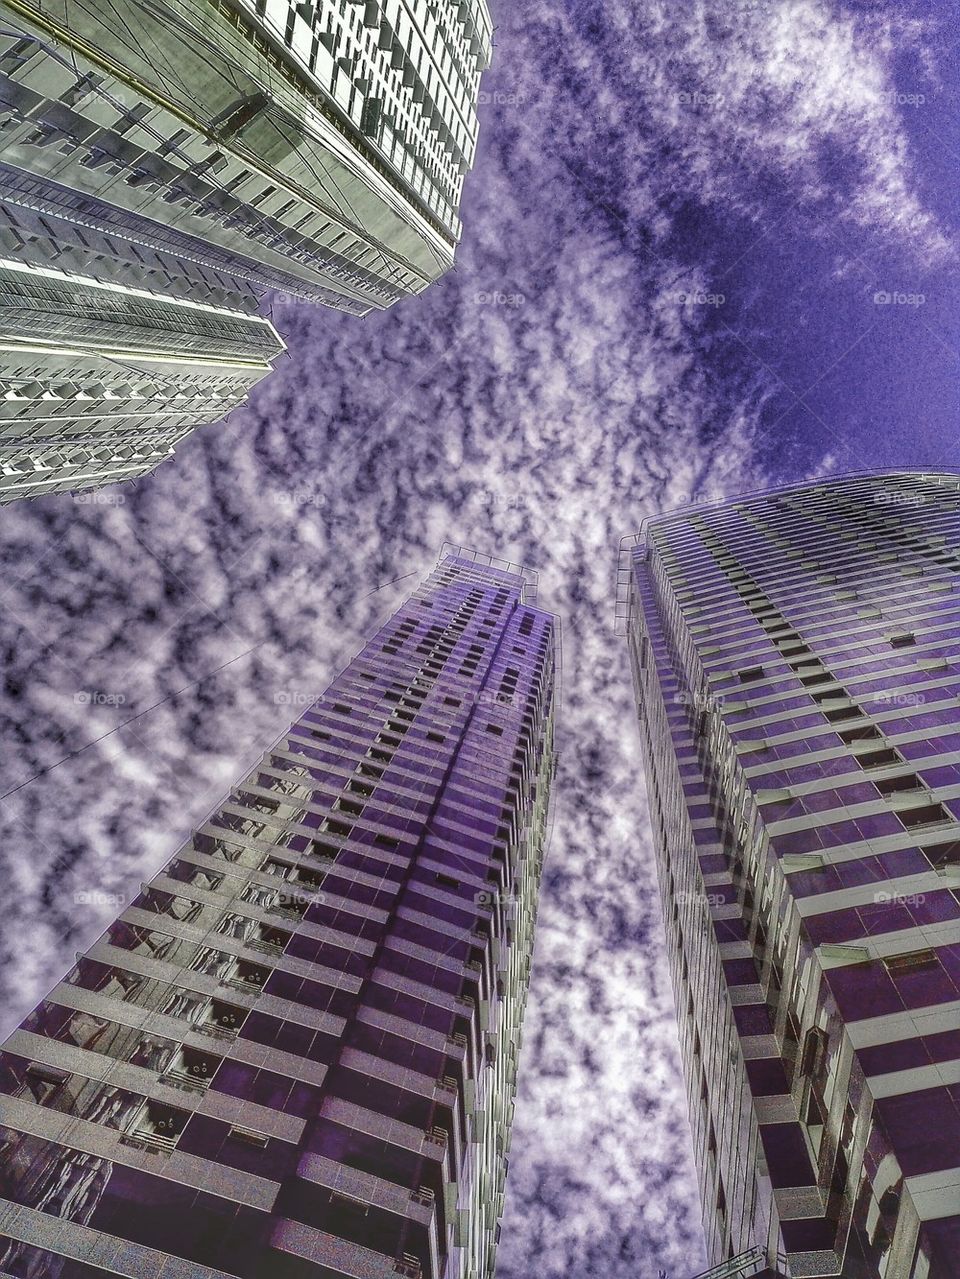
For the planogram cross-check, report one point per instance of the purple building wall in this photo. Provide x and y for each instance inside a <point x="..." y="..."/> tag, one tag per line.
<point x="796" y="657"/>
<point x="293" y="1056"/>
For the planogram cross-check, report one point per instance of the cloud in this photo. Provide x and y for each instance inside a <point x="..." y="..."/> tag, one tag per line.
<point x="753" y="105"/>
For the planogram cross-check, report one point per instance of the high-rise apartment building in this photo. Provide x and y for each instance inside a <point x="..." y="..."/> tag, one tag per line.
<point x="795" y="656"/>
<point x="211" y="151"/>
<point x="293" y="1055"/>
<point x="101" y="380"/>
<point x="317" y="148"/>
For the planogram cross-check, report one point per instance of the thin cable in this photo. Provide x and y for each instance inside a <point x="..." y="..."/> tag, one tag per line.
<point x="383" y="584"/>
<point x="129" y="720"/>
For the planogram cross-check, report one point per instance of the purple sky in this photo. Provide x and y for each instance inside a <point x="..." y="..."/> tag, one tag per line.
<point x="680" y="232"/>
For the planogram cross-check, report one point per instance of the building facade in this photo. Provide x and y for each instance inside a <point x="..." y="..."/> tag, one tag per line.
<point x="293" y="1056"/>
<point x="215" y="151"/>
<point x="100" y="380"/>
<point x="316" y="148"/>
<point x="795" y="658"/>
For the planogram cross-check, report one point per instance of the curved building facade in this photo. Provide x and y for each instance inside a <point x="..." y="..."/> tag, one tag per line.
<point x="796" y="658"/>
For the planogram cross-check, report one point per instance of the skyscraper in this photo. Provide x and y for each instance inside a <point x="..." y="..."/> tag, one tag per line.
<point x="100" y="380"/>
<point x="294" y="1053"/>
<point x="210" y="151"/>
<point x="795" y="662"/>
<point x="317" y="148"/>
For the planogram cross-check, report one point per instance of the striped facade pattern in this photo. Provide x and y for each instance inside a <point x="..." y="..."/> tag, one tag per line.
<point x="795" y="657"/>
<point x="294" y="1054"/>
<point x="318" y="149"/>
<point x="211" y="152"/>
<point x="102" y="380"/>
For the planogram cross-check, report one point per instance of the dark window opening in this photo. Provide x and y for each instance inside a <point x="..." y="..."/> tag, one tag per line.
<point x="865" y="734"/>
<point x="925" y="815"/>
<point x="940" y="856"/>
<point x="879" y="759"/>
<point x="891" y="785"/>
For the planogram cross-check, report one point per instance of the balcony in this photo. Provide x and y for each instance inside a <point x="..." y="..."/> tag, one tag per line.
<point x="144" y="1139"/>
<point x="753" y="1262"/>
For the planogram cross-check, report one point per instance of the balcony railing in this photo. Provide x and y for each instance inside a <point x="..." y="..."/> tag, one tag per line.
<point x="146" y="1140"/>
<point x="214" y="1031"/>
<point x="245" y="987"/>
<point x="183" y="1079"/>
<point x="265" y="947"/>
<point x="740" y="1267"/>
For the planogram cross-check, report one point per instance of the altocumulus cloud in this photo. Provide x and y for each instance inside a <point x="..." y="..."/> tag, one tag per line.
<point x="535" y="404"/>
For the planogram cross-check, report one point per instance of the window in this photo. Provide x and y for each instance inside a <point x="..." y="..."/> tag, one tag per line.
<point x="925" y="815"/>
<point x="495" y="729"/>
<point x="44" y="1082"/>
<point x="435" y="737"/>
<point x="451" y="701"/>
<point x="896" y="964"/>
<point x="940" y="856"/>
<point x="249" y="1136"/>
<point x="879" y="759"/>
<point x="903" y="640"/>
<point x="842" y="713"/>
<point x="907" y="782"/>
<point x="865" y="734"/>
<point x="750" y="674"/>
